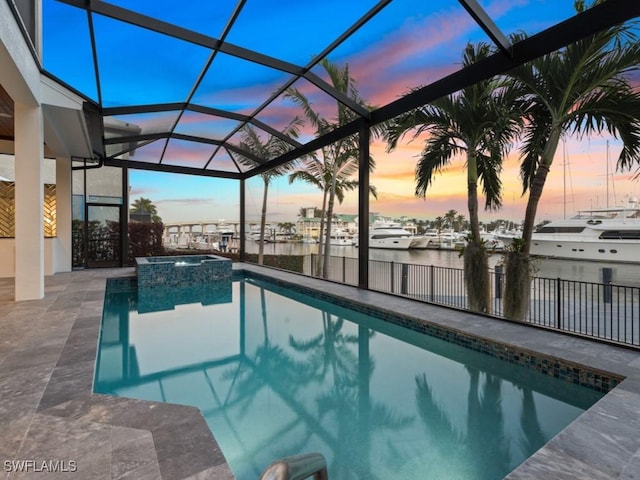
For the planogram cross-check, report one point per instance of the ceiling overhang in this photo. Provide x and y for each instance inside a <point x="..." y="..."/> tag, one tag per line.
<point x="72" y="128"/>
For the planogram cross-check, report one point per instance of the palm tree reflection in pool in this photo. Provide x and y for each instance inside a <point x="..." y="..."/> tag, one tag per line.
<point x="485" y="427"/>
<point x="343" y="417"/>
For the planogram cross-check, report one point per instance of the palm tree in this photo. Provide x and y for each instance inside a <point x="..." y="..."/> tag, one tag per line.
<point x="580" y="90"/>
<point x="145" y="205"/>
<point x="312" y="171"/>
<point x="477" y="121"/>
<point x="268" y="149"/>
<point x="304" y="210"/>
<point x="286" y="227"/>
<point x="322" y="175"/>
<point x="340" y="159"/>
<point x="450" y="217"/>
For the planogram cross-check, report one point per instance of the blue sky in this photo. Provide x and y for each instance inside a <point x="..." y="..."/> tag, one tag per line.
<point x="408" y="44"/>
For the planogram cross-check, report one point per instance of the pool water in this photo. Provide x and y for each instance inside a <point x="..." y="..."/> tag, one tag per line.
<point x="276" y="373"/>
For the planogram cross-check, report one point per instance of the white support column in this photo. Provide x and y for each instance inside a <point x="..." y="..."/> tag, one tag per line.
<point x="64" y="214"/>
<point x="29" y="209"/>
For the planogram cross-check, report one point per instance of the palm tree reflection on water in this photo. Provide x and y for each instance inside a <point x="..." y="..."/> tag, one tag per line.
<point x="307" y="376"/>
<point x="343" y="417"/>
<point x="325" y="380"/>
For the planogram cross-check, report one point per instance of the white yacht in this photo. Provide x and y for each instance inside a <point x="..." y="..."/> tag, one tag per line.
<point x="603" y="234"/>
<point x="492" y="241"/>
<point x="447" y="238"/>
<point x="340" y="238"/>
<point x="391" y="235"/>
<point x="420" y="242"/>
<point x="432" y="235"/>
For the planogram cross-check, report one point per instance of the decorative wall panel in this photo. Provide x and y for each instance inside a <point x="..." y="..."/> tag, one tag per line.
<point x="8" y="210"/>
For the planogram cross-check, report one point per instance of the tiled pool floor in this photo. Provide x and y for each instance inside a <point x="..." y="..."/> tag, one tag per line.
<point x="48" y="413"/>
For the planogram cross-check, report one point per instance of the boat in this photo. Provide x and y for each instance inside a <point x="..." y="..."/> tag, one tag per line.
<point x="447" y="239"/>
<point x="420" y="242"/>
<point x="340" y="238"/>
<point x="207" y="241"/>
<point x="432" y="235"/>
<point x="507" y="238"/>
<point x="600" y="234"/>
<point x="225" y="229"/>
<point x="492" y="241"/>
<point x="391" y="235"/>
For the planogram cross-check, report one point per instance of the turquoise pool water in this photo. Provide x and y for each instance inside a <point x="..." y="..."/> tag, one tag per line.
<point x="276" y="372"/>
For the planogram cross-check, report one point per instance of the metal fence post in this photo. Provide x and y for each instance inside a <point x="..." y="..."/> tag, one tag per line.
<point x="607" y="289"/>
<point x="344" y="269"/>
<point x="558" y="303"/>
<point x="498" y="281"/>
<point x="431" y="282"/>
<point x="405" y="279"/>
<point x="392" y="278"/>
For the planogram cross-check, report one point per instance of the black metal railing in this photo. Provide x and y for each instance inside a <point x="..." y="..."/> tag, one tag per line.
<point x="599" y="310"/>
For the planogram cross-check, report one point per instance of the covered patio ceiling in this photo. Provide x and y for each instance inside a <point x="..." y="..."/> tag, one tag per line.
<point x="175" y="83"/>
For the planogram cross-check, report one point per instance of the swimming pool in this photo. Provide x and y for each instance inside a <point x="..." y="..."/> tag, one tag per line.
<point x="277" y="372"/>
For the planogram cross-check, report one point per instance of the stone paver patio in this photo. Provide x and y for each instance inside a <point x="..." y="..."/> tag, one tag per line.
<point x="48" y="411"/>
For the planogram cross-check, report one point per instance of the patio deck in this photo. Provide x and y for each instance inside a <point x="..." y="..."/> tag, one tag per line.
<point x="47" y="409"/>
<point x="48" y="412"/>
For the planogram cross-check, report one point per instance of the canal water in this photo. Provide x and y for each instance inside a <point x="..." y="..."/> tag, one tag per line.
<point x="584" y="271"/>
<point x="566" y="294"/>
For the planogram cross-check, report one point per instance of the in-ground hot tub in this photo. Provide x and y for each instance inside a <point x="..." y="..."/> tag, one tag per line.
<point x="182" y="270"/>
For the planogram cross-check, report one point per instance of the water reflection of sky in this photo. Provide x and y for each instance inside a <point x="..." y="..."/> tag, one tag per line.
<point x="275" y="375"/>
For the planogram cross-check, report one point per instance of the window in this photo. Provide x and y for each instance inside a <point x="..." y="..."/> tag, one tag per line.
<point x="620" y="235"/>
<point x="547" y="229"/>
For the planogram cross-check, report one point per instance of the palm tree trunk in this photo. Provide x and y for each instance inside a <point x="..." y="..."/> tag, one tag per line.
<point x="263" y="307"/>
<point x="263" y="222"/>
<point x="472" y="196"/>
<point x="476" y="260"/>
<point x="537" y="185"/>
<point x="332" y="196"/>
<point x="517" y="285"/>
<point x="321" y="234"/>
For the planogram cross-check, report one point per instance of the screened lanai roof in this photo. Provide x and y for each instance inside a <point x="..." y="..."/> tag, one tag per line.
<point x="177" y="82"/>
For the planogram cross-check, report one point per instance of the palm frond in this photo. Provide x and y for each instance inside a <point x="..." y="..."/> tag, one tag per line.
<point x="489" y="169"/>
<point x="435" y="156"/>
<point x="305" y="176"/>
<point x="582" y="90"/>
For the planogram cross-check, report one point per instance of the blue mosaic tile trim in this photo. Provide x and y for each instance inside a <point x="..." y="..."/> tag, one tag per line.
<point x="162" y="299"/>
<point x="180" y="271"/>
<point x="121" y="284"/>
<point x="127" y="284"/>
<point x="567" y="371"/>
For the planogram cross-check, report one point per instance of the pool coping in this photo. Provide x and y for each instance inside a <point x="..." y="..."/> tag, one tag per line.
<point x="50" y="345"/>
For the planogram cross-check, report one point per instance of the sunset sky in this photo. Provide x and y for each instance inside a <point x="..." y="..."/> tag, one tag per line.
<point x="212" y="199"/>
<point x="410" y="43"/>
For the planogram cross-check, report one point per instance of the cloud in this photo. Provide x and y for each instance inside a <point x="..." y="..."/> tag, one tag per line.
<point x="192" y="202"/>
<point x="144" y="191"/>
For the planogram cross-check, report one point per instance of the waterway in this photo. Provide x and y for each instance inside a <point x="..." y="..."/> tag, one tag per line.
<point x="585" y="271"/>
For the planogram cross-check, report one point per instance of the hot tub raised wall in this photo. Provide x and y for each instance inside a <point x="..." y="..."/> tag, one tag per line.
<point x="178" y="271"/>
